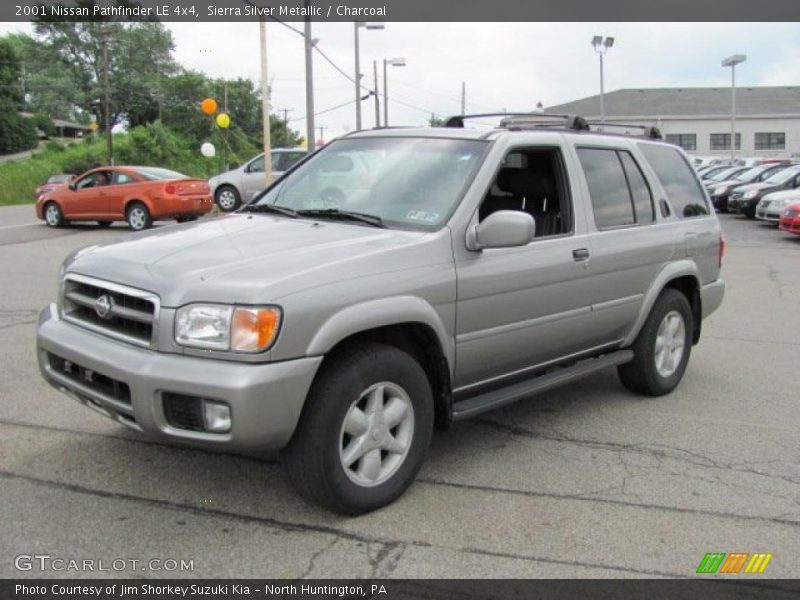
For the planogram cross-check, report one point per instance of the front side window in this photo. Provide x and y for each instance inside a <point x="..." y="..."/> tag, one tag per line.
<point x="678" y="179"/>
<point x="405" y="181"/>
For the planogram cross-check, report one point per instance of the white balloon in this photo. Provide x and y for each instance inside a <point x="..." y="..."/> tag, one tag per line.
<point x="207" y="149"/>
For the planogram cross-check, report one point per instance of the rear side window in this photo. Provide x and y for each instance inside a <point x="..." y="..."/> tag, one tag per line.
<point x="608" y="188"/>
<point x="619" y="192"/>
<point x="678" y="179"/>
<point x="640" y="191"/>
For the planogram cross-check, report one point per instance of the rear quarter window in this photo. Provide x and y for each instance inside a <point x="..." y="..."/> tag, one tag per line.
<point x="678" y="179"/>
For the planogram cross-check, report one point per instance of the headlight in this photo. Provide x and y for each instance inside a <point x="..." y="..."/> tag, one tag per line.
<point x="750" y="194"/>
<point x="221" y="327"/>
<point x="720" y="190"/>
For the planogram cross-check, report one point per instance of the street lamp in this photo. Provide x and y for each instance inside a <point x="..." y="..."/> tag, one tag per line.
<point x="356" y="26"/>
<point x="601" y="46"/>
<point x="731" y="62"/>
<point x="395" y="62"/>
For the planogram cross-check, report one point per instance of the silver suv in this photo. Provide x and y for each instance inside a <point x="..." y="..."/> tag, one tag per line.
<point x="233" y="187"/>
<point x="348" y="311"/>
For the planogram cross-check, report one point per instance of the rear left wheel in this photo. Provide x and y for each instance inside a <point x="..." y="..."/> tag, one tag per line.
<point x="662" y="348"/>
<point x="364" y="431"/>
<point x="138" y="217"/>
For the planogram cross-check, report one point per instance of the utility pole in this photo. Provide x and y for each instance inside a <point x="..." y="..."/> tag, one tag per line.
<point x="286" y="112"/>
<point x="358" y="78"/>
<point x="463" y="97"/>
<point x="262" y="24"/>
<point x="377" y="99"/>
<point x="309" y="46"/>
<point x="385" y="97"/>
<point x="107" y="100"/>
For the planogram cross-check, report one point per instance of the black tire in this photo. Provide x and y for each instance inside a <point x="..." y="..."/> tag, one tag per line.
<point x="104" y="223"/>
<point x="138" y="217"/>
<point x="313" y="459"/>
<point x="641" y="375"/>
<point x="227" y="198"/>
<point x="53" y="216"/>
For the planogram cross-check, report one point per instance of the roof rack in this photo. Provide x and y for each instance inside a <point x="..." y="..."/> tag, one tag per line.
<point x="542" y="120"/>
<point x="648" y="131"/>
<point x="519" y="120"/>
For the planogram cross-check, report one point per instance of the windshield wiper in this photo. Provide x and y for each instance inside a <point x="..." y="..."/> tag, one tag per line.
<point x="281" y="210"/>
<point x="335" y="213"/>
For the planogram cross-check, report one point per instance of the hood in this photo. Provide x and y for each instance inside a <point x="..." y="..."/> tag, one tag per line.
<point x="247" y="258"/>
<point x="754" y="187"/>
<point x="790" y="195"/>
<point x="727" y="183"/>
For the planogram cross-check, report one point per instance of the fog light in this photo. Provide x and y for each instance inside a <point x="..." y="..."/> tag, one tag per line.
<point x="217" y="416"/>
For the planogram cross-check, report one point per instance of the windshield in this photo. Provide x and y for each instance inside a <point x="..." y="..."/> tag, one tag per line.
<point x="406" y="182"/>
<point x="725" y="175"/>
<point x="782" y="176"/>
<point x="156" y="173"/>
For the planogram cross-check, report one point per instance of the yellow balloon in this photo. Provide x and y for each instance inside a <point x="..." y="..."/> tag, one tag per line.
<point x="223" y="120"/>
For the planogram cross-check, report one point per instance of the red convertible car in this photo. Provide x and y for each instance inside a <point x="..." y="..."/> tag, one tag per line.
<point x="138" y="195"/>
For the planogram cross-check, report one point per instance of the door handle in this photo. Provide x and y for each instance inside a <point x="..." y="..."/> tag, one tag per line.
<point x="580" y="254"/>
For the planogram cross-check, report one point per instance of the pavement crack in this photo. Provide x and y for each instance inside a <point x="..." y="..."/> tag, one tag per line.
<point x="313" y="558"/>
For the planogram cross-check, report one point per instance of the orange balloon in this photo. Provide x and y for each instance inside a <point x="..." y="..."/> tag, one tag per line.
<point x="208" y="106"/>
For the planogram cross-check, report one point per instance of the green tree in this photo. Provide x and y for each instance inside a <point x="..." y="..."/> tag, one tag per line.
<point x="139" y="57"/>
<point x="10" y="73"/>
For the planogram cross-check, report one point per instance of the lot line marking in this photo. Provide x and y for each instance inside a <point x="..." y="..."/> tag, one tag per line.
<point x="17" y="226"/>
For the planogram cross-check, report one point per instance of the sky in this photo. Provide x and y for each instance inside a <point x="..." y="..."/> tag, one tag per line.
<point x="510" y="66"/>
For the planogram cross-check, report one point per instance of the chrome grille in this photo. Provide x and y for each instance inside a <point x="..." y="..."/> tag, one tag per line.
<point x="114" y="310"/>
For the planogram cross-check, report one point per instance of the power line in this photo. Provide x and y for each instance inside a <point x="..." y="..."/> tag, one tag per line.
<point x="322" y="112"/>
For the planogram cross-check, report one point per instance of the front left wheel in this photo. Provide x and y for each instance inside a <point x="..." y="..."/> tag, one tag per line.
<point x="367" y="423"/>
<point x="53" y="215"/>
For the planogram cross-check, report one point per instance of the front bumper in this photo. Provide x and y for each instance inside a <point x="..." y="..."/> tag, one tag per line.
<point x="765" y="214"/>
<point x="740" y="205"/>
<point x="790" y="225"/>
<point x="265" y="399"/>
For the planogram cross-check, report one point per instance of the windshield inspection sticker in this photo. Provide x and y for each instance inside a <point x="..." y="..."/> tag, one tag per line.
<point x="421" y="215"/>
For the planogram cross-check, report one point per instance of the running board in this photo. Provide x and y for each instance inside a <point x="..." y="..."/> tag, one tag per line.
<point x="508" y="395"/>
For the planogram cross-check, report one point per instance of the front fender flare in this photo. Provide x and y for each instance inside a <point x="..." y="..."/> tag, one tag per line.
<point x="380" y="313"/>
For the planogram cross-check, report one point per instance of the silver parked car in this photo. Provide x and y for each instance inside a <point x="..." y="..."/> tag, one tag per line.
<point x="772" y="206"/>
<point x="232" y="188"/>
<point x="346" y="312"/>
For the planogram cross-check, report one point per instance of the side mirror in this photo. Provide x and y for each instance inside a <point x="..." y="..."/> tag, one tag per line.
<point x="72" y="186"/>
<point x="502" y="229"/>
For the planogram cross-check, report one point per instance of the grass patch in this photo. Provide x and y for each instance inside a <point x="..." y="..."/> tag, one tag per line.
<point x="152" y="144"/>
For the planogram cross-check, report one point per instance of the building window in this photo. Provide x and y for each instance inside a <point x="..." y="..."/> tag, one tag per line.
<point x="770" y="141"/>
<point x="687" y="141"/>
<point x="722" y="141"/>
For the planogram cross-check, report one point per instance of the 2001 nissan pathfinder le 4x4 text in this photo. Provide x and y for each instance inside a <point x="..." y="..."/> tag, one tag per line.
<point x="394" y="281"/>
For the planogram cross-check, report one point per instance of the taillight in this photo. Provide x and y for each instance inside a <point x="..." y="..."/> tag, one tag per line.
<point x="170" y="189"/>
<point x="722" y="245"/>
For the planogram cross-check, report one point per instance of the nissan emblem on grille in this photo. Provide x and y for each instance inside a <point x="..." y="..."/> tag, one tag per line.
<point x="103" y="306"/>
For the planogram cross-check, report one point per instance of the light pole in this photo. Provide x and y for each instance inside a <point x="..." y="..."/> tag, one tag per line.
<point x="395" y="62"/>
<point x="601" y="46"/>
<point x="356" y="26"/>
<point x="731" y="62"/>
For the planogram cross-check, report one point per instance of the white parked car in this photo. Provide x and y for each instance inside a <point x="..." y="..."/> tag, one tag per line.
<point x="232" y="188"/>
<point x="771" y="206"/>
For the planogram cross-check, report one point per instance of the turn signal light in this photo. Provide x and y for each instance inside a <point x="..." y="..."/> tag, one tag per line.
<point x="254" y="329"/>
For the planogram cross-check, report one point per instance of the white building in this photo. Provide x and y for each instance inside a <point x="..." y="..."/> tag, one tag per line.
<point x="699" y="119"/>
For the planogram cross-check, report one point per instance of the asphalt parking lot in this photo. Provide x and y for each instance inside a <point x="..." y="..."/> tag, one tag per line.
<point x="585" y="481"/>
